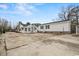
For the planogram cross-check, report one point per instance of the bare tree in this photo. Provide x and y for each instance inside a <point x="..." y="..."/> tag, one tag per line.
<point x="4" y="25"/>
<point x="65" y="12"/>
<point x="71" y="13"/>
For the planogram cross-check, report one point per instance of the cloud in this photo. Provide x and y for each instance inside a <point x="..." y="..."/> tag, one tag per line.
<point x="26" y="9"/>
<point x="20" y="7"/>
<point x="10" y="12"/>
<point x="3" y="6"/>
<point x="39" y="4"/>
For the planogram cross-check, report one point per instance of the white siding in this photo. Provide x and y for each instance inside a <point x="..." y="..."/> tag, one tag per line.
<point x="57" y="27"/>
<point x="31" y="27"/>
<point x="21" y="26"/>
<point x="77" y="29"/>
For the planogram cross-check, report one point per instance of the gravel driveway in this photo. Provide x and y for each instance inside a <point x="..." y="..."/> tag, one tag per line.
<point x="41" y="44"/>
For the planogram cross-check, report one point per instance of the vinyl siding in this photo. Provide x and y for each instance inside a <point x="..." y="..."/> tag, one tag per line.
<point x="56" y="27"/>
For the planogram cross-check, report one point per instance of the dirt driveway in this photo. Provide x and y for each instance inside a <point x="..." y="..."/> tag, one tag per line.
<point x="41" y="44"/>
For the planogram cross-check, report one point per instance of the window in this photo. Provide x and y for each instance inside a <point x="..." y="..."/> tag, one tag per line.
<point x="41" y="27"/>
<point x="47" y="26"/>
<point x="28" y="29"/>
<point x="25" y="29"/>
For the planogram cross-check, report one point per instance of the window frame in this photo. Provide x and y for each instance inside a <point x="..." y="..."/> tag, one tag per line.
<point x="25" y="29"/>
<point x="42" y="27"/>
<point x="47" y="26"/>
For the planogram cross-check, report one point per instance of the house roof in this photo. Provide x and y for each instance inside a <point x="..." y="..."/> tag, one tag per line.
<point x="36" y="24"/>
<point x="56" y="21"/>
<point x="22" y="24"/>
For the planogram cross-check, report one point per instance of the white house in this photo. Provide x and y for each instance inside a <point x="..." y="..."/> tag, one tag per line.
<point x="58" y="26"/>
<point x="63" y="26"/>
<point x="24" y="28"/>
<point x="32" y="28"/>
<point x="70" y="25"/>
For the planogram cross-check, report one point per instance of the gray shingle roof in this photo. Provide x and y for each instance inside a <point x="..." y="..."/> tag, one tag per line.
<point x="56" y="21"/>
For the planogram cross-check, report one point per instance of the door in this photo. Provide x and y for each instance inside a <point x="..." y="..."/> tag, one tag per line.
<point x="73" y="28"/>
